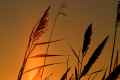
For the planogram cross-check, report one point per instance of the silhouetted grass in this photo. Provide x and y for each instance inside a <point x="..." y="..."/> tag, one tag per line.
<point x="86" y="43"/>
<point x="65" y="74"/>
<point x="36" y="33"/>
<point x="48" y="42"/>
<point x="114" y="74"/>
<point x="76" y="74"/>
<point x="87" y="39"/>
<point x="116" y="60"/>
<point x="94" y="57"/>
<point x="44" y="55"/>
<point x="104" y="74"/>
<point x="79" y="71"/>
<point x="74" y="53"/>
<point x="115" y="34"/>
<point x="71" y="77"/>
<point x="39" y="67"/>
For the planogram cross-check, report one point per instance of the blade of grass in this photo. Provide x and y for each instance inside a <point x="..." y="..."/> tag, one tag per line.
<point x="87" y="39"/>
<point x="115" y="35"/>
<point x="39" y="67"/>
<point x="94" y="57"/>
<point x="44" y="55"/>
<point x="70" y="78"/>
<point x="86" y="43"/>
<point x="48" y="42"/>
<point x="65" y="74"/>
<point x="116" y="60"/>
<point x="74" y="52"/>
<point x="67" y="64"/>
<point x="103" y="77"/>
<point x="96" y="72"/>
<point x="76" y="74"/>
<point x="114" y="74"/>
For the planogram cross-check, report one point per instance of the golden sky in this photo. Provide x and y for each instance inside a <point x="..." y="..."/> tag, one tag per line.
<point x="17" y="18"/>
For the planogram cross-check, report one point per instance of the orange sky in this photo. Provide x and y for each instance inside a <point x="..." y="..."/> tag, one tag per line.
<point x="17" y="18"/>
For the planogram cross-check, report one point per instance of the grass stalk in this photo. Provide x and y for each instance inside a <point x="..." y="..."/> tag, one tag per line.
<point x="114" y="41"/>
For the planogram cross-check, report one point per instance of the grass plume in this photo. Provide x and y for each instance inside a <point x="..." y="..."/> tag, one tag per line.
<point x="94" y="57"/>
<point x="87" y="39"/>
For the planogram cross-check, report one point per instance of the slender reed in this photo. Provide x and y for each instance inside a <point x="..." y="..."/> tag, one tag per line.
<point x="115" y="35"/>
<point x="50" y="38"/>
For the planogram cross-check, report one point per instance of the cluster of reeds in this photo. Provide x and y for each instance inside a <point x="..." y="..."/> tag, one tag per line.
<point x="80" y="69"/>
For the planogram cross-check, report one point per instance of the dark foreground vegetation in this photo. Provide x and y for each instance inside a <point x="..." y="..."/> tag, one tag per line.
<point x="81" y="69"/>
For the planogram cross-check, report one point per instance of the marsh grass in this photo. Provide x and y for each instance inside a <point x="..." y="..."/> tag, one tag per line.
<point x="80" y="69"/>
